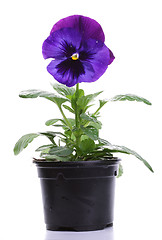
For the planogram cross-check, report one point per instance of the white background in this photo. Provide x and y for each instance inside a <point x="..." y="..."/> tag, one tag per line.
<point x="133" y="33"/>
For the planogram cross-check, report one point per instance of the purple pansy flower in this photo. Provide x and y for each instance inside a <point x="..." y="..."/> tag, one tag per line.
<point x="76" y="45"/>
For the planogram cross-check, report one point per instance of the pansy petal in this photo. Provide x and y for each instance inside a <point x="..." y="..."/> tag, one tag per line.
<point x="89" y="73"/>
<point x="111" y="57"/>
<point x="92" y="45"/>
<point x="66" y="72"/>
<point x="89" y="49"/>
<point x="98" y="55"/>
<point x="89" y="28"/>
<point x="51" y="68"/>
<point x="61" y="43"/>
<point x="101" y="60"/>
<point x="66" y="78"/>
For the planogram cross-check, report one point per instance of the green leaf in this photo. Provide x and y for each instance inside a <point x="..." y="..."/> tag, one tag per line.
<point x="71" y="121"/>
<point x="55" y="157"/>
<point x="100" y="154"/>
<point x="122" y="149"/>
<point x="68" y="108"/>
<point x="44" y="147"/>
<point x="28" y="138"/>
<point x="80" y="93"/>
<point x="60" y="125"/>
<point x="120" y="170"/>
<point x="130" y="97"/>
<point x="91" y="132"/>
<point x="60" y="151"/>
<point x="97" y="124"/>
<point x="51" y="135"/>
<point x="102" y="103"/>
<point x="64" y="90"/>
<point x="88" y="118"/>
<point x="87" y="145"/>
<point x="91" y="120"/>
<point x="23" y="142"/>
<point x="74" y="99"/>
<point x="103" y="142"/>
<point x="34" y="93"/>
<point x="88" y="106"/>
<point x="85" y="100"/>
<point x="53" y="121"/>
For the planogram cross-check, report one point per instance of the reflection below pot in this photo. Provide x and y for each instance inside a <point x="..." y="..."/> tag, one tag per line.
<point x="106" y="234"/>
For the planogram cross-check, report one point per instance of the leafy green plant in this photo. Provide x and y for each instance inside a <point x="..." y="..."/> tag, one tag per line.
<point x="78" y="139"/>
<point x="77" y="50"/>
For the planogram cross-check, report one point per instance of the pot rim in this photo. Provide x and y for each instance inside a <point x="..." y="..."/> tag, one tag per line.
<point x="51" y="163"/>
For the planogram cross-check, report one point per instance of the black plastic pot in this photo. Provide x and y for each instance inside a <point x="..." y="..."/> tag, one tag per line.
<point x="78" y="196"/>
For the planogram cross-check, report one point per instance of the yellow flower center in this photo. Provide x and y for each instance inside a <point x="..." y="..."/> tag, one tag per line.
<point x="75" y="56"/>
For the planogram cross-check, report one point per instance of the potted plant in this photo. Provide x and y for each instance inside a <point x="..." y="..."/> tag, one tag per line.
<point x="77" y="168"/>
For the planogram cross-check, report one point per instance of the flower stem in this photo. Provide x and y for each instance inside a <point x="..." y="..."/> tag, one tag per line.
<point x="76" y="111"/>
<point x="65" y="118"/>
<point x="97" y="111"/>
<point x="77" y="120"/>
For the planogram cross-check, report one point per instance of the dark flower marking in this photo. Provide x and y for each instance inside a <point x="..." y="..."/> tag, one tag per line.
<point x="74" y="67"/>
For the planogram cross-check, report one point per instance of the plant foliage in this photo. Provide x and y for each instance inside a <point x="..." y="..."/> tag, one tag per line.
<point x="79" y="138"/>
